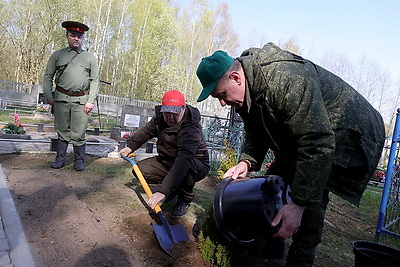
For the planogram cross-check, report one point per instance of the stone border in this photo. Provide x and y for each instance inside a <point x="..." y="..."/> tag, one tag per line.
<point x="19" y="252"/>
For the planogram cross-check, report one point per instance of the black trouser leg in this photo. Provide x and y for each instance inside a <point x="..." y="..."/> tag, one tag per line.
<point x="154" y="172"/>
<point x="302" y="249"/>
<point x="61" y="154"/>
<point x="79" y="154"/>
<point x="196" y="173"/>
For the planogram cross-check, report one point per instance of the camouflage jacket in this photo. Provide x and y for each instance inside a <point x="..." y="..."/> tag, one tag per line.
<point x="324" y="134"/>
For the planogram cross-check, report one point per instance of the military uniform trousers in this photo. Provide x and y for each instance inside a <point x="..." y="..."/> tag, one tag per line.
<point x="154" y="172"/>
<point x="302" y="249"/>
<point x="70" y="122"/>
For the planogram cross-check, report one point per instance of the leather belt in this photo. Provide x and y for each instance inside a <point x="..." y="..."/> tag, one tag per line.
<point x="71" y="93"/>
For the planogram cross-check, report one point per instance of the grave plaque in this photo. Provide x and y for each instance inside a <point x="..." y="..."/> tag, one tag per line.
<point x="131" y="121"/>
<point x="132" y="118"/>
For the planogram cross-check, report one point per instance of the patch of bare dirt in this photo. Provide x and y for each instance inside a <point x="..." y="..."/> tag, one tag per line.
<point x="93" y="218"/>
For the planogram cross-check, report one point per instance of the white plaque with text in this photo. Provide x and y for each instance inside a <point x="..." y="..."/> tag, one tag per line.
<point x="131" y="120"/>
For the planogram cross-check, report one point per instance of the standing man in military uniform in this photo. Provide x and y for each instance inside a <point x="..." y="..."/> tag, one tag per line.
<point x="74" y="73"/>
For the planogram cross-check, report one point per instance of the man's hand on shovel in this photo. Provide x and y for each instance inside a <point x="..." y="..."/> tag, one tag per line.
<point x="155" y="199"/>
<point x="166" y="234"/>
<point x="125" y="151"/>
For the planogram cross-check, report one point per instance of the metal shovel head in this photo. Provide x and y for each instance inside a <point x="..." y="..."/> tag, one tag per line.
<point x="168" y="235"/>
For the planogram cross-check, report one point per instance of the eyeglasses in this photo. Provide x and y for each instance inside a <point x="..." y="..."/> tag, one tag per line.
<point x="170" y="114"/>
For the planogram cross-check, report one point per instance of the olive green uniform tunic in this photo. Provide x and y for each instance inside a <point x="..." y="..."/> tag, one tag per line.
<point x="80" y="75"/>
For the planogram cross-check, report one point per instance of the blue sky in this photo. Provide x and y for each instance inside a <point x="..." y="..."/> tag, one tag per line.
<point x="353" y="28"/>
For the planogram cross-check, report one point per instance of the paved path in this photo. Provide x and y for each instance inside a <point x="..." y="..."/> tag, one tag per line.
<point x="14" y="249"/>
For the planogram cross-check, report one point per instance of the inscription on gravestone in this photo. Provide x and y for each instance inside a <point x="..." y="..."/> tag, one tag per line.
<point x="131" y="121"/>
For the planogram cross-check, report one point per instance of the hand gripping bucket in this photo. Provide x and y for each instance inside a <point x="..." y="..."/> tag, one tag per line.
<point x="245" y="207"/>
<point x="374" y="254"/>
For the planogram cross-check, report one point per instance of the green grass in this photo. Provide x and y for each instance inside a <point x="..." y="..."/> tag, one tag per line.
<point x="346" y="223"/>
<point x="8" y="116"/>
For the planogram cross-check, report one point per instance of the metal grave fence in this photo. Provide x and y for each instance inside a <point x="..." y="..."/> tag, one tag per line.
<point x="389" y="212"/>
<point x="222" y="135"/>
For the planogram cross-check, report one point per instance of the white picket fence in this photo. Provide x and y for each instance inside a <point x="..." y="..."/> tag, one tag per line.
<point x="107" y="99"/>
<point x="27" y="96"/>
<point x="19" y="87"/>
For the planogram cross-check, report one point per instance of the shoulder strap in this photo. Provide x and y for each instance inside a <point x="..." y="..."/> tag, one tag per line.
<point x="65" y="66"/>
<point x="72" y="59"/>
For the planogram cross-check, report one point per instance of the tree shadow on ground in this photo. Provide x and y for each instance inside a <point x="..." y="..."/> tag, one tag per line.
<point x="105" y="256"/>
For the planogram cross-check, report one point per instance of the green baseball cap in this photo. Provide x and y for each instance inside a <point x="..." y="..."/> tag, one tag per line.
<point x="210" y="70"/>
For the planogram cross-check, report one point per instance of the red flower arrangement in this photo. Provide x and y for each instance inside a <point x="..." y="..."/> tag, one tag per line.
<point x="14" y="127"/>
<point x="127" y="135"/>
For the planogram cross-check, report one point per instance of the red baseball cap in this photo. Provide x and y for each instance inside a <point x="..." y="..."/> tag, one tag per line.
<point x="173" y="102"/>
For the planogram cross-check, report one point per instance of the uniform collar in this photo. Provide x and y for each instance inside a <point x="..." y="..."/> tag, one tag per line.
<point x="247" y="99"/>
<point x="79" y="50"/>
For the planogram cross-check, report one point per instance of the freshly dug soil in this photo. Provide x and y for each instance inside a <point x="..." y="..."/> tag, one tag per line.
<point x="96" y="217"/>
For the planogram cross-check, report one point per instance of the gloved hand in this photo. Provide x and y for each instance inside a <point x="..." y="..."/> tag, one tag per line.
<point x="125" y="151"/>
<point x="155" y="199"/>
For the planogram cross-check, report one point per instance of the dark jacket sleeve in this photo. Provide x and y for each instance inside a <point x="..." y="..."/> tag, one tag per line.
<point x="306" y="118"/>
<point x="144" y="134"/>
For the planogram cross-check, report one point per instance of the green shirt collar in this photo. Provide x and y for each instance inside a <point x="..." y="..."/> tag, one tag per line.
<point x="79" y="50"/>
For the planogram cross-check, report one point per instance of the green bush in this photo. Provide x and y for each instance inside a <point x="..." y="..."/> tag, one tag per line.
<point x="219" y="251"/>
<point x="229" y="159"/>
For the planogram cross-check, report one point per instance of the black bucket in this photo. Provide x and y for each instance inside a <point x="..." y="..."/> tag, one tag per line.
<point x="244" y="208"/>
<point x="374" y="254"/>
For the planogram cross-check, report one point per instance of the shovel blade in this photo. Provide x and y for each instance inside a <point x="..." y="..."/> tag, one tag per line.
<point x="169" y="235"/>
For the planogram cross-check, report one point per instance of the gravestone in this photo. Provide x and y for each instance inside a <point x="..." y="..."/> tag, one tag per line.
<point x="132" y="118"/>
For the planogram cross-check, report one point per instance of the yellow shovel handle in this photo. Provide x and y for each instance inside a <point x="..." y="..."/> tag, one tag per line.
<point x="142" y="181"/>
<point x="145" y="186"/>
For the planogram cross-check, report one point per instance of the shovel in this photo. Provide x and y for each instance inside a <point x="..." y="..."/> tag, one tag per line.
<point x="167" y="235"/>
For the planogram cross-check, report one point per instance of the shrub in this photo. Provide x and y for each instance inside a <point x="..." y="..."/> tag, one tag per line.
<point x="14" y="127"/>
<point x="219" y="251"/>
<point x="229" y="159"/>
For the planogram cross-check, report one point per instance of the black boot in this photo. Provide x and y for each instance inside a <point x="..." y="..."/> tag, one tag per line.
<point x="61" y="154"/>
<point x="79" y="161"/>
